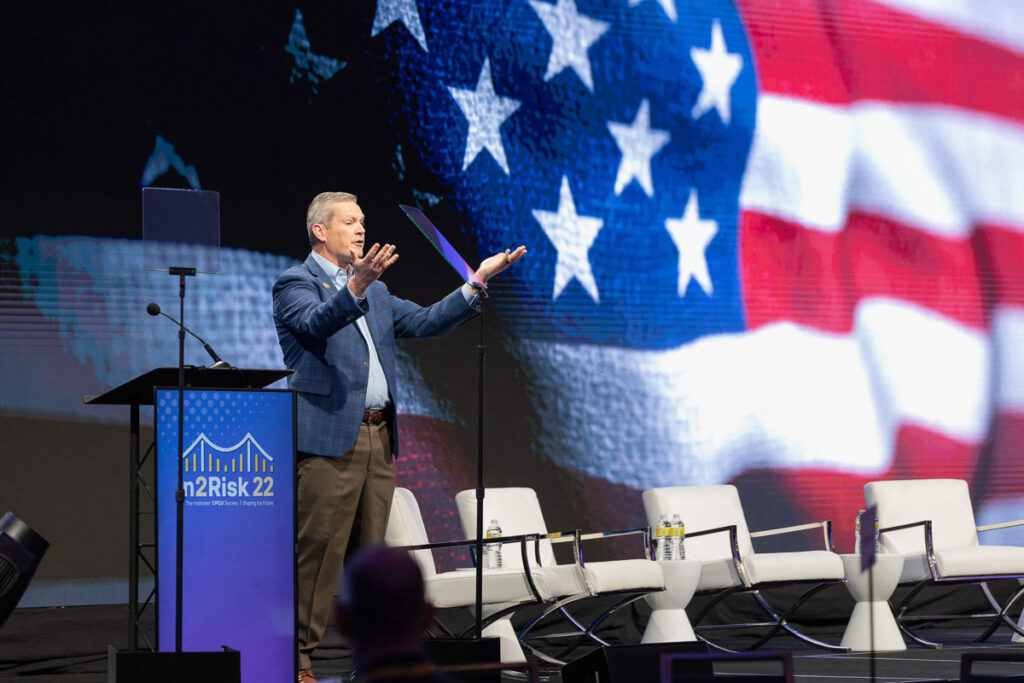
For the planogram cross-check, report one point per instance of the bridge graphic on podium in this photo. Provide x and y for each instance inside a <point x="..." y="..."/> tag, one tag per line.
<point x="203" y="455"/>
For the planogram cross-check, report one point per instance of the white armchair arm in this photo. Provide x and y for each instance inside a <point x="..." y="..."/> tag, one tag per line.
<point x="999" y="525"/>
<point x="825" y="526"/>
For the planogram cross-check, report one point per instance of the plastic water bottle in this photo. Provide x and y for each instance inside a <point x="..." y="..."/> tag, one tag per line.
<point x="664" y="539"/>
<point x="492" y="551"/>
<point x="678" y="534"/>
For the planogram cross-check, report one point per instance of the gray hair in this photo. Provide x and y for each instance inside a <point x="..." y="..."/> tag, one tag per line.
<point x="321" y="209"/>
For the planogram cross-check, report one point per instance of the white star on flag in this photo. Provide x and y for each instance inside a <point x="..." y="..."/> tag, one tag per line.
<point x="692" y="236"/>
<point x="485" y="111"/>
<point x="668" y="5"/>
<point x="718" y="69"/>
<point x="573" y="34"/>
<point x="572" y="235"/>
<point x="638" y="143"/>
<point x="390" y="11"/>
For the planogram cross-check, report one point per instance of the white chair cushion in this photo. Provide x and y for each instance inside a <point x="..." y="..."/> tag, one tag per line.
<point x="979" y="560"/>
<point x="946" y="502"/>
<point x="700" y="508"/>
<point x="612" y="575"/>
<point x="458" y="588"/>
<point x="807" y="565"/>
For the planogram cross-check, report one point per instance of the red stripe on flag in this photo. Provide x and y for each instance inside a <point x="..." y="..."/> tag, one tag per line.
<point x="793" y="52"/>
<point x="849" y="50"/>
<point x="922" y="453"/>
<point x="816" y="279"/>
<point x="1000" y="253"/>
<point x="999" y="473"/>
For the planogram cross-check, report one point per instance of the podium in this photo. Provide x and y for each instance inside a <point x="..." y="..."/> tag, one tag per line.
<point x="139" y="392"/>
<point x="238" y="511"/>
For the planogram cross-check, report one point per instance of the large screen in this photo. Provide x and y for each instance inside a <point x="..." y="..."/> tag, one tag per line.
<point x="772" y="244"/>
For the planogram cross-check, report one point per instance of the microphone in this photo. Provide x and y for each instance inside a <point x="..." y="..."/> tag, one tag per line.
<point x="154" y="309"/>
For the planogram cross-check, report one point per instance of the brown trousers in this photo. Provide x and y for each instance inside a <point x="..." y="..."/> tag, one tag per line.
<point x="343" y="503"/>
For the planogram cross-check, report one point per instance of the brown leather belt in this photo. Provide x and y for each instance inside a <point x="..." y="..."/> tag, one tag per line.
<point x="373" y="417"/>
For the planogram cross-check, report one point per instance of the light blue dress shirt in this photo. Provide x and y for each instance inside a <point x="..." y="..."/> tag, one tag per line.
<point x="377" y="385"/>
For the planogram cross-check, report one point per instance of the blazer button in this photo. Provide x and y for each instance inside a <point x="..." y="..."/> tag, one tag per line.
<point x="362" y="395"/>
<point x="365" y="364"/>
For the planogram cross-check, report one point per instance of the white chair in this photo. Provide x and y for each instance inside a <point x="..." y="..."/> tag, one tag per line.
<point x="930" y="522"/>
<point x="504" y="590"/>
<point x="518" y="512"/>
<point x="717" y="535"/>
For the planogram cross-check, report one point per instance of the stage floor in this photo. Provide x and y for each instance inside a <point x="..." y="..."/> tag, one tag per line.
<point x="69" y="645"/>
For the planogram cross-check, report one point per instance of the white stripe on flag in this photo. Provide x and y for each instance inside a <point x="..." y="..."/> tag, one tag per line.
<point x="1008" y="342"/>
<point x="810" y="163"/>
<point x="779" y="396"/>
<point x="925" y="369"/>
<point x="997" y="21"/>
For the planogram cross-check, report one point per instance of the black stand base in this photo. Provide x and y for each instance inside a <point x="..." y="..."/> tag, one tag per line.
<point x="626" y="663"/>
<point x="173" y="667"/>
<point x="448" y="651"/>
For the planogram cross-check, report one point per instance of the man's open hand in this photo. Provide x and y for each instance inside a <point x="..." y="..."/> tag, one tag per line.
<point x="492" y="265"/>
<point x="367" y="269"/>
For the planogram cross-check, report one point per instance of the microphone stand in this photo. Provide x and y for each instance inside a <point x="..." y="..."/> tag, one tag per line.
<point x="482" y="349"/>
<point x="179" y="494"/>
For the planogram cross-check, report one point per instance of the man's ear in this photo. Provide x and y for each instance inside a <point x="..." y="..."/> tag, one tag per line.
<point x="319" y="231"/>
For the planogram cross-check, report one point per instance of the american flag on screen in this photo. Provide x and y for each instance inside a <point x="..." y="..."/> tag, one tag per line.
<point x="769" y="242"/>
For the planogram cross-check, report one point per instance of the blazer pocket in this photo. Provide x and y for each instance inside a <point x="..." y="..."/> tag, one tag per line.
<point x="311" y="385"/>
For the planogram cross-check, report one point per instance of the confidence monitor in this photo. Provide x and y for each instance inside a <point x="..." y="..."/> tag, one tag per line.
<point x="443" y="246"/>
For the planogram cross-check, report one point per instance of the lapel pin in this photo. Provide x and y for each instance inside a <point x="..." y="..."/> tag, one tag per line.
<point x="327" y="285"/>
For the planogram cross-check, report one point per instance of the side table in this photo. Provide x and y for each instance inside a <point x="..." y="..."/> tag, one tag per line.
<point x="669" y="623"/>
<point x="884" y="576"/>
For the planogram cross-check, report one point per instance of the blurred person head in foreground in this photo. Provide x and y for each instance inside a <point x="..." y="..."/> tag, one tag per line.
<point x="383" y="614"/>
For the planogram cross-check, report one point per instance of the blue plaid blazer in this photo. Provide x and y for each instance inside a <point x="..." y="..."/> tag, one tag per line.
<point x="330" y="357"/>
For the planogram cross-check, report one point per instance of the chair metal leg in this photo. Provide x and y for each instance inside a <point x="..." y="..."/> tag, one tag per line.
<point x="782" y="621"/>
<point x="571" y="619"/>
<point x="553" y="607"/>
<point x="901" y="610"/>
<point x="589" y="631"/>
<point x="778" y="622"/>
<point x="1002" y="613"/>
<point x="711" y="643"/>
<point x="717" y="598"/>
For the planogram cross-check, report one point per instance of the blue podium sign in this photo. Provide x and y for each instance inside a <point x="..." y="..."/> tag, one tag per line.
<point x="238" y="566"/>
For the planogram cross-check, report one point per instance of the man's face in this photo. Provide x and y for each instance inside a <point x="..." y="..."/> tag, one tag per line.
<point x="345" y="233"/>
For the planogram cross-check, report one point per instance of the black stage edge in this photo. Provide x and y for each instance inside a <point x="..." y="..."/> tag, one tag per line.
<point x="450" y="651"/>
<point x="70" y="645"/>
<point x="628" y="663"/>
<point x="173" y="667"/>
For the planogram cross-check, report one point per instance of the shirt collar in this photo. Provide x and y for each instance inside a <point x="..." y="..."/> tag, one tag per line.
<point x="330" y="269"/>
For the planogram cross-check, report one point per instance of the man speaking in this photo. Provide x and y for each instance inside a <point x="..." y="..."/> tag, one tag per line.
<point x="337" y="325"/>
